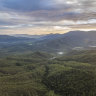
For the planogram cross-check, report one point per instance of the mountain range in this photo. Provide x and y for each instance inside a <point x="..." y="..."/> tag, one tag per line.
<point x="74" y="40"/>
<point x="40" y="67"/>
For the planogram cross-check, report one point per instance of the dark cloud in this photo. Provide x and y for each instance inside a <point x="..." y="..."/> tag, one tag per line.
<point x="50" y="9"/>
<point x="27" y="5"/>
<point x="34" y="5"/>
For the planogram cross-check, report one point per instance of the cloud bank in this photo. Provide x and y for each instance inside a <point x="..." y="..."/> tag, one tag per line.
<point x="43" y="16"/>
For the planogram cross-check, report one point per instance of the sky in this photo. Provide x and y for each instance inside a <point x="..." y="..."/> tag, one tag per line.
<point x="46" y="16"/>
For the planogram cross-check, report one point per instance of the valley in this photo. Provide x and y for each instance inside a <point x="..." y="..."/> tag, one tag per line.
<point x="47" y="47"/>
<point x="52" y="43"/>
<point x="48" y="67"/>
<point x="35" y="74"/>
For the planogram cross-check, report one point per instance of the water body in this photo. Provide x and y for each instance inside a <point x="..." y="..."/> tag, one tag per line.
<point x="60" y="53"/>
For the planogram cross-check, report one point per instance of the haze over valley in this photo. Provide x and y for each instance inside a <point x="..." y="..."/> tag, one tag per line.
<point x="47" y="47"/>
<point x="52" y="43"/>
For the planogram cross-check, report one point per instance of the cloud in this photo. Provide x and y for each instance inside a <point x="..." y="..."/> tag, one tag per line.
<point x="28" y="5"/>
<point x="47" y="14"/>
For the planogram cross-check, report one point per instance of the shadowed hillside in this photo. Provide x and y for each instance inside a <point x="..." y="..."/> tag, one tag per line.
<point x="76" y="40"/>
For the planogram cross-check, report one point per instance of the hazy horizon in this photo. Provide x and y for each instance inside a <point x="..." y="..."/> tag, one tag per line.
<point x="22" y="34"/>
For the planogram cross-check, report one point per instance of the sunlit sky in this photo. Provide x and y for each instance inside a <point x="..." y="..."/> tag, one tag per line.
<point x="46" y="16"/>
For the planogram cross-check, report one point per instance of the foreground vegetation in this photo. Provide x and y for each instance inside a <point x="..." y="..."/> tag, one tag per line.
<point x="37" y="74"/>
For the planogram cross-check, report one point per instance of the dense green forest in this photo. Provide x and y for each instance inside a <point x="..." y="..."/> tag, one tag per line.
<point x="39" y="74"/>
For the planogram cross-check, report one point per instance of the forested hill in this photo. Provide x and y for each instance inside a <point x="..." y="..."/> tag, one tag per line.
<point x="36" y="74"/>
<point x="68" y="41"/>
<point x="50" y="43"/>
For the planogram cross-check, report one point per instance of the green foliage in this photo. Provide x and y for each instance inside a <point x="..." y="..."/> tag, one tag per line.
<point x="72" y="82"/>
<point x="35" y="74"/>
<point x="51" y="93"/>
